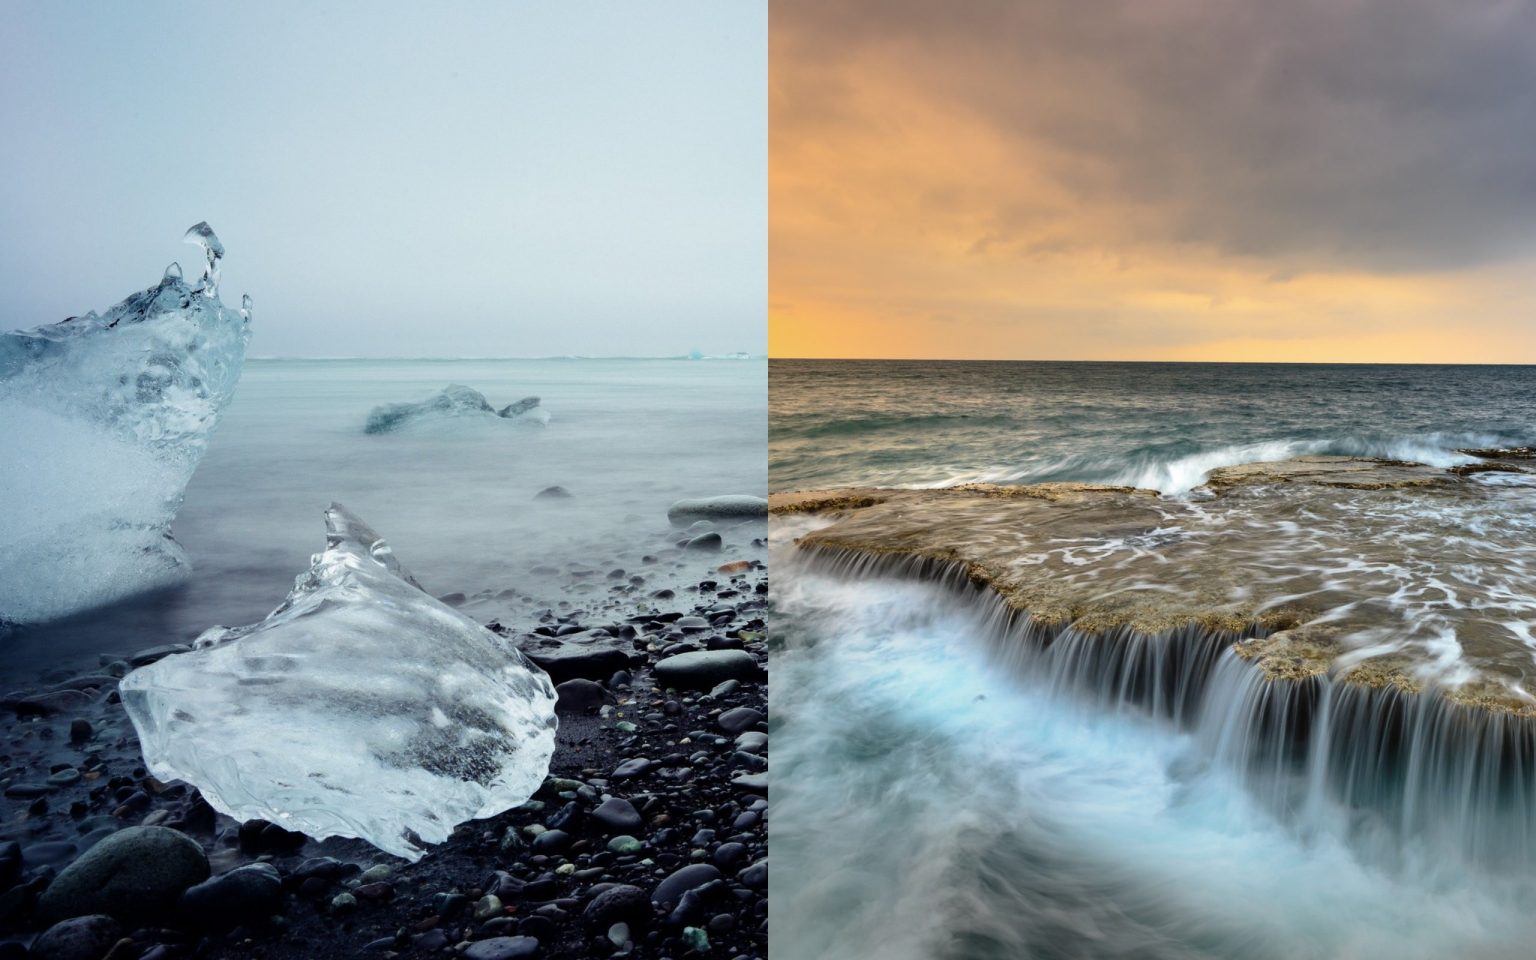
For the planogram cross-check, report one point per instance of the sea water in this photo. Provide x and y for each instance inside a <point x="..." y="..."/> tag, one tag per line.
<point x="455" y="497"/>
<point x="1162" y="426"/>
<point x="931" y="803"/>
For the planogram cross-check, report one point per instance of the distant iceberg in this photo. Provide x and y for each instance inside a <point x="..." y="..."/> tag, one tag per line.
<point x="454" y="400"/>
<point x="360" y="707"/>
<point x="105" y="419"/>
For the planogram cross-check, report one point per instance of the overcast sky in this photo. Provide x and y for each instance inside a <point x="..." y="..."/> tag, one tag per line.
<point x="403" y="179"/>
<point x="1154" y="179"/>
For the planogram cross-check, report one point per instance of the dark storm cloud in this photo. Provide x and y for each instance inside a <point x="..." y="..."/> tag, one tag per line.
<point x="1388" y="135"/>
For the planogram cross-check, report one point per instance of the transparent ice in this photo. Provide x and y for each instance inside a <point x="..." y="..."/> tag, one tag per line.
<point x="360" y="707"/>
<point x="104" y="421"/>
<point x="454" y="400"/>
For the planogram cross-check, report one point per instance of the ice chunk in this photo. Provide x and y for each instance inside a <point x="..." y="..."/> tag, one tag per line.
<point x="104" y="420"/>
<point x="520" y="407"/>
<point x="361" y="707"/>
<point x="454" y="400"/>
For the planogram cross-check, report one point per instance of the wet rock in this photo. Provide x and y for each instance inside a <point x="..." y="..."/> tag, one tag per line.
<point x="727" y="855"/>
<point x="740" y="719"/>
<point x="589" y="655"/>
<point x="136" y="874"/>
<point x="706" y="668"/>
<point x="245" y="895"/>
<point x="625" y="845"/>
<point x="632" y="768"/>
<point x="694" y="905"/>
<point x="10" y="863"/>
<point x="551" y="841"/>
<point x="617" y="815"/>
<point x="47" y="704"/>
<point x="718" y="508"/>
<point x="553" y="493"/>
<point x="51" y="853"/>
<point x="81" y="938"/>
<point x="502" y="948"/>
<point x="621" y="903"/>
<point x="670" y="891"/>
<point x="487" y="907"/>
<point x="260" y="836"/>
<point x="756" y="782"/>
<point x="619" y="934"/>
<point x="323" y="868"/>
<point x="80" y="730"/>
<point x="755" y="876"/>
<point x="705" y="542"/>
<point x="567" y="818"/>
<point x="580" y="696"/>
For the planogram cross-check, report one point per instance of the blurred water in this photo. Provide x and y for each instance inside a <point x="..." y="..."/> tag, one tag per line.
<point x="929" y="805"/>
<point x="1156" y="425"/>
<point x="454" y="498"/>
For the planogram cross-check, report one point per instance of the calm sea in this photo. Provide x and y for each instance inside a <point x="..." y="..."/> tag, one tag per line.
<point x="455" y="498"/>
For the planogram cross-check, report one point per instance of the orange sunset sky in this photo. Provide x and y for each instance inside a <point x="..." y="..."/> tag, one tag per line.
<point x="1150" y="180"/>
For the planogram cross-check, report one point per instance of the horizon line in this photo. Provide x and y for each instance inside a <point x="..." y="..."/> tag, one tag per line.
<point x="740" y="355"/>
<point x="1250" y="363"/>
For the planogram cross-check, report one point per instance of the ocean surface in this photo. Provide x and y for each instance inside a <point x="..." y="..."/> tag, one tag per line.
<point x="1162" y="426"/>
<point x="934" y="802"/>
<point x="455" y="497"/>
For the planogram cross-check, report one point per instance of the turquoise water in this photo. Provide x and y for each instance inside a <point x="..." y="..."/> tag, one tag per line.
<point x="454" y="498"/>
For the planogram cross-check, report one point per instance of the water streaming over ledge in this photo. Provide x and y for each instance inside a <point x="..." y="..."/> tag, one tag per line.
<point x="1458" y="778"/>
<point x="955" y="781"/>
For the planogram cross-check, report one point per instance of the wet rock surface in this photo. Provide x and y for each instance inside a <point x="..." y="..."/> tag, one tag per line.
<point x="1383" y="574"/>
<point x="648" y="791"/>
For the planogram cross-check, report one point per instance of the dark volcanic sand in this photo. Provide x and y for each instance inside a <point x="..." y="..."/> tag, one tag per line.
<point x="690" y="811"/>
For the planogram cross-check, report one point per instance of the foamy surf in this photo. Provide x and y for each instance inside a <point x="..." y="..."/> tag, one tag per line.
<point x="932" y="804"/>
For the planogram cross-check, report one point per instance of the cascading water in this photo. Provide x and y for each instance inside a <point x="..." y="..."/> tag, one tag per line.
<point x="1253" y="709"/>
<point x="1011" y="788"/>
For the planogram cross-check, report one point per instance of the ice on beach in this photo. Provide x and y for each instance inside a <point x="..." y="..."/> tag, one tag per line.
<point x="454" y="400"/>
<point x="360" y="707"/>
<point x="105" y="419"/>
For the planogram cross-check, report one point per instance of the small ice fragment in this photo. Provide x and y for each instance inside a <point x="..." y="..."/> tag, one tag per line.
<point x="519" y="408"/>
<point x="245" y="307"/>
<point x="360" y="707"/>
<point x="203" y="235"/>
<point x="454" y="400"/>
<point x="172" y="272"/>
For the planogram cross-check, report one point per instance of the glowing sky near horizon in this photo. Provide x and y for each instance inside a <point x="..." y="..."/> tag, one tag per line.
<point x="1153" y="179"/>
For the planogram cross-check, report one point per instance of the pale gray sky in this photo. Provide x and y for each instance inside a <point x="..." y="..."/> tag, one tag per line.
<point x="466" y="179"/>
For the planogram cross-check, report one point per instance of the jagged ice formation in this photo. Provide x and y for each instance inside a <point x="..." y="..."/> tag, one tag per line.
<point x="105" y="419"/>
<point x="360" y="707"/>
